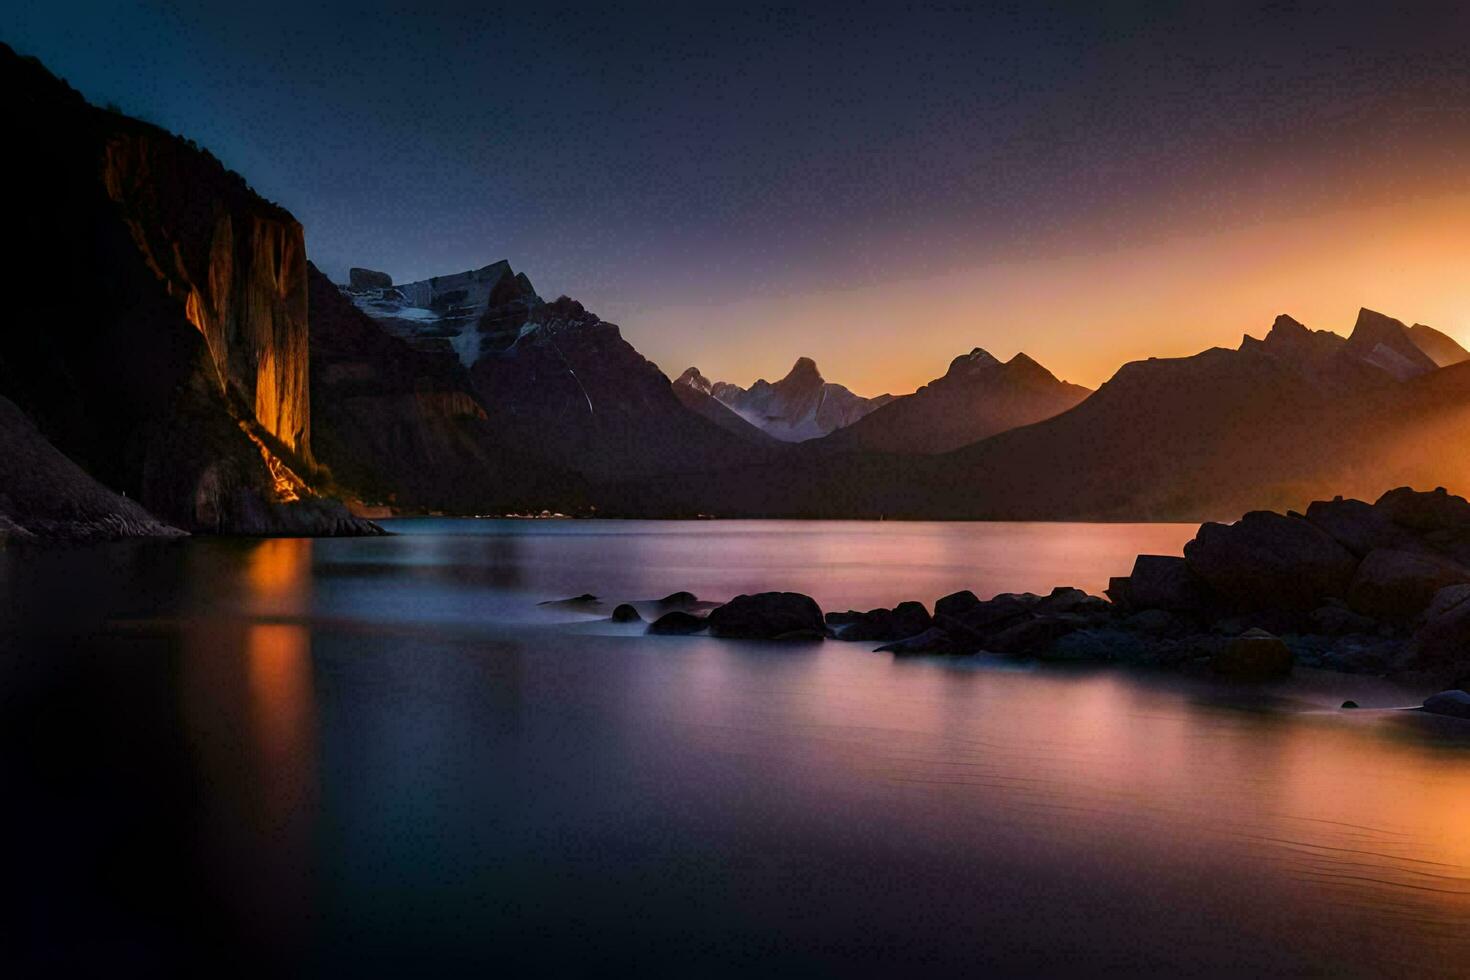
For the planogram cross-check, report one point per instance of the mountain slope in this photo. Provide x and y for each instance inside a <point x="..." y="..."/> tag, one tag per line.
<point x="401" y="426"/>
<point x="801" y="406"/>
<point x="561" y="383"/>
<point x="977" y="397"/>
<point x="1442" y="349"/>
<point x="693" y="391"/>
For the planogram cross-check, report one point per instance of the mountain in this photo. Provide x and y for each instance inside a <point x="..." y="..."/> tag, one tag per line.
<point x="977" y="397"/>
<point x="1275" y="423"/>
<point x="1443" y="349"/>
<point x="563" y="384"/>
<point x="161" y="342"/>
<point x="441" y="314"/>
<point x="801" y="406"/>
<point x="401" y="426"/>
<point x="694" y="391"/>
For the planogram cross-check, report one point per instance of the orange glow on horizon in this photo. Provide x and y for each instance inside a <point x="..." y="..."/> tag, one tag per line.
<point x="1085" y="314"/>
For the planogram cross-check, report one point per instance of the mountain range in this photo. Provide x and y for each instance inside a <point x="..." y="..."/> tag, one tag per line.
<point x="207" y="378"/>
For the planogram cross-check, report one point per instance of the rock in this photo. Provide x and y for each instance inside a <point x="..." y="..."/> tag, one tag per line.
<point x="1455" y="704"/>
<point x="1093" y="646"/>
<point x="932" y="640"/>
<point x="679" y="599"/>
<point x="1064" y="599"/>
<point x="977" y="625"/>
<point x="1155" y="622"/>
<point x="904" y="620"/>
<point x="1030" y="635"/>
<point x="1335" y="619"/>
<point x="1120" y="592"/>
<point x="1443" y="634"/>
<point x="956" y="604"/>
<point x="1269" y="561"/>
<point x="625" y="613"/>
<point x="838" y="619"/>
<point x="1428" y="511"/>
<point x="677" y="624"/>
<point x="767" y="615"/>
<point x="1254" y="654"/>
<point x="360" y="279"/>
<point x="1164" y="582"/>
<point x="1350" y="704"/>
<point x="1399" y="585"/>
<point x="1356" y="525"/>
<point x="584" y="601"/>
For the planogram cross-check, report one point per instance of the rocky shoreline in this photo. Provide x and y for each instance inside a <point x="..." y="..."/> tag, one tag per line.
<point x="1381" y="588"/>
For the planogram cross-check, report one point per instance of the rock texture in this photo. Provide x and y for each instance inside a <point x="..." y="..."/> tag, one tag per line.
<point x="161" y="340"/>
<point x="977" y="397"/>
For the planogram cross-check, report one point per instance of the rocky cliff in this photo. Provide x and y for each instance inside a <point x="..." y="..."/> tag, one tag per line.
<point x="161" y="342"/>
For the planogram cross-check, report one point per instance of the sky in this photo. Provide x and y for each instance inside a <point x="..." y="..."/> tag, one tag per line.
<point x="879" y="187"/>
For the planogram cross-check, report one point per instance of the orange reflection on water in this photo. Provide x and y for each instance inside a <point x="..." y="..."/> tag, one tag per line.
<point x="278" y="575"/>
<point x="282" y="709"/>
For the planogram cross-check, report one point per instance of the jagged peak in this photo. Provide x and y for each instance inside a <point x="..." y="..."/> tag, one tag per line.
<point x="1385" y="342"/>
<point x="803" y="371"/>
<point x="978" y="357"/>
<point x="693" y="379"/>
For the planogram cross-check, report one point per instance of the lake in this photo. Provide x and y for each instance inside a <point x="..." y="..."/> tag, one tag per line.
<point x="382" y="755"/>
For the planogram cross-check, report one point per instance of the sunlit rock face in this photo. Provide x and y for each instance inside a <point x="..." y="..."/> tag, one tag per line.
<point x="161" y="342"/>
<point x="236" y="262"/>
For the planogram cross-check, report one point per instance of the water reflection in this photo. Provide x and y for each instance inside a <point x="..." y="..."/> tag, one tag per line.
<point x="379" y="756"/>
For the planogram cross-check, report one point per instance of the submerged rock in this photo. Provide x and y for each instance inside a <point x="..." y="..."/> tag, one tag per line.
<point x="677" y="624"/>
<point x="586" y="601"/>
<point x="1455" y="704"/>
<point x="679" y="599"/>
<point x="904" y="620"/>
<point x="625" y="613"/>
<point x="932" y="640"/>
<point x="1254" y="654"/>
<point x="768" y="616"/>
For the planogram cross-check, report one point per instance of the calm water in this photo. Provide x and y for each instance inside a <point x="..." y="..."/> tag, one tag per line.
<point x="383" y="756"/>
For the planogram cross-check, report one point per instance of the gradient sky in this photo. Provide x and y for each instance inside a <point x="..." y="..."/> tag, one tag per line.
<point x="880" y="187"/>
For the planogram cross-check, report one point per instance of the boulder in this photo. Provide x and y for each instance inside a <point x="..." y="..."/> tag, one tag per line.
<point x="1031" y="635"/>
<point x="1270" y="561"/>
<point x="1356" y="525"/>
<point x="768" y="616"/>
<point x="1065" y="599"/>
<point x="1432" y="510"/>
<point x="625" y="613"/>
<point x="956" y="604"/>
<point x="1120" y="591"/>
<point x="1164" y="582"/>
<point x="1154" y="622"/>
<point x="904" y="620"/>
<point x="1254" y="654"/>
<point x="1443" y="634"/>
<point x="977" y="625"/>
<point x="360" y="279"/>
<point x="932" y="640"/>
<point x="840" y="619"/>
<point x="1456" y="704"/>
<point x="1336" y="619"/>
<point x="1399" y="585"/>
<point x="675" y="599"/>
<point x="677" y="624"/>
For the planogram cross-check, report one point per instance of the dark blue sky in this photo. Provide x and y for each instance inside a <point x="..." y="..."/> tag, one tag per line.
<point x="638" y="157"/>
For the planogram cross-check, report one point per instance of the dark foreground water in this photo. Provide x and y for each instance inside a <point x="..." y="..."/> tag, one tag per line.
<point x="380" y="756"/>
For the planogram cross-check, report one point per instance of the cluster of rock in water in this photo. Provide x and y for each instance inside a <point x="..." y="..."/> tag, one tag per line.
<point x="1380" y="588"/>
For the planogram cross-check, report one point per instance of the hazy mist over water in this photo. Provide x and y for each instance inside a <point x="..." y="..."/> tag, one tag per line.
<point x="381" y="754"/>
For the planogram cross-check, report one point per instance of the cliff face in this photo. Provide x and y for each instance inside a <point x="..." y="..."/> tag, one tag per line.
<point x="161" y="339"/>
<point x="235" y="262"/>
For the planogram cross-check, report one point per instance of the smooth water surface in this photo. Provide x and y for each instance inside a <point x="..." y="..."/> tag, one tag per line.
<point x="382" y="756"/>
